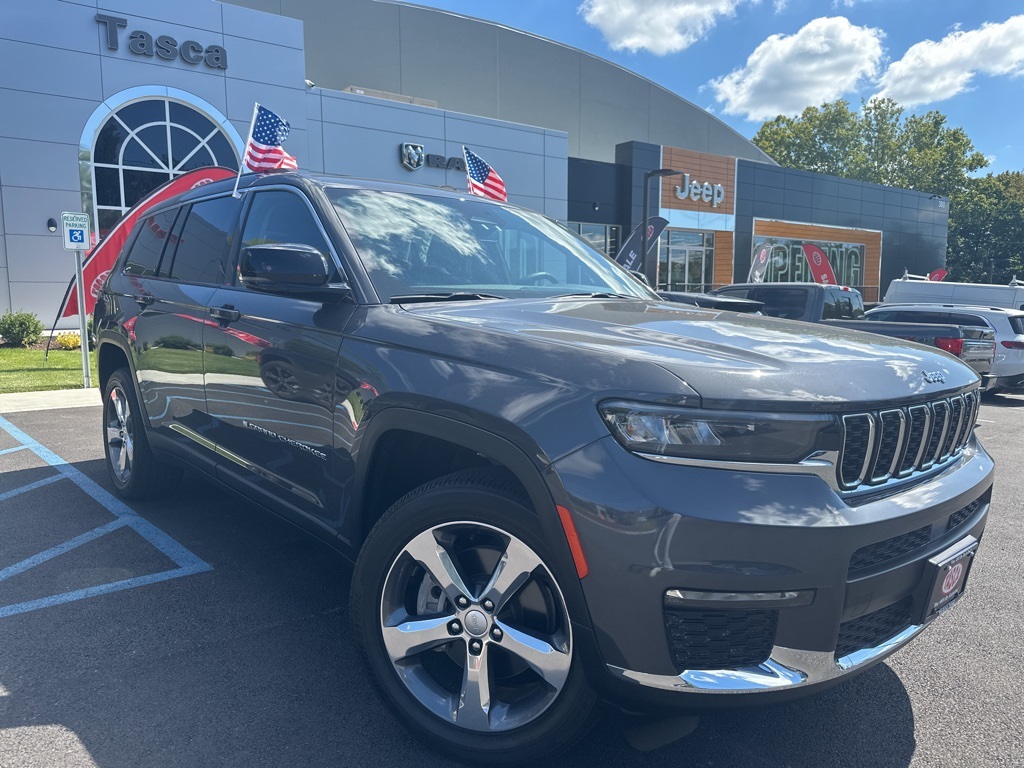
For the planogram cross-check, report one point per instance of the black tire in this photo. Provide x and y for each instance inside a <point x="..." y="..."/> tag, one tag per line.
<point x="135" y="472"/>
<point x="472" y="511"/>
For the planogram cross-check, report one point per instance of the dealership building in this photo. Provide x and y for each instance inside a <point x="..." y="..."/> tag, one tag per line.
<point x="103" y="100"/>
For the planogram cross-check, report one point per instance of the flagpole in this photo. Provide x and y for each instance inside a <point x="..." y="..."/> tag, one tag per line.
<point x="465" y="162"/>
<point x="241" y="164"/>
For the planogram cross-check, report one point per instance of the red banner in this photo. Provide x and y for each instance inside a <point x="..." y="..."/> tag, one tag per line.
<point x="937" y="275"/>
<point x="100" y="259"/>
<point x="820" y="267"/>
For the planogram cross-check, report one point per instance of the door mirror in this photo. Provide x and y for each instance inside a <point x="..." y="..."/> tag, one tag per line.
<point x="285" y="268"/>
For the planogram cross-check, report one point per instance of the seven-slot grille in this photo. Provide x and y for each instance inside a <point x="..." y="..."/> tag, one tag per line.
<point x="898" y="442"/>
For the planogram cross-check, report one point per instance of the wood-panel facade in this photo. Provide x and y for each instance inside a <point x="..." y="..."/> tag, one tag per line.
<point x="712" y="169"/>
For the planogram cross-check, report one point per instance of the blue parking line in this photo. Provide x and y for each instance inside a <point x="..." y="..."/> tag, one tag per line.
<point x="30" y="487"/>
<point x="187" y="562"/>
<point x="12" y="450"/>
<point x="102" y="589"/>
<point x="60" y="549"/>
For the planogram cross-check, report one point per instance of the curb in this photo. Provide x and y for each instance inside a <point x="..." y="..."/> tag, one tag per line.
<point x="17" y="402"/>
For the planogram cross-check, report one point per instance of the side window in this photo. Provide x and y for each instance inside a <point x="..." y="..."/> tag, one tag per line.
<point x="883" y="317"/>
<point x="154" y="234"/>
<point x="832" y="309"/>
<point x="972" y="320"/>
<point x="205" y="240"/>
<point x="282" y="217"/>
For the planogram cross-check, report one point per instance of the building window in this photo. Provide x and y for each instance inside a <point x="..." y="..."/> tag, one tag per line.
<point x="686" y="261"/>
<point x="787" y="262"/>
<point x="146" y="143"/>
<point x="600" y="237"/>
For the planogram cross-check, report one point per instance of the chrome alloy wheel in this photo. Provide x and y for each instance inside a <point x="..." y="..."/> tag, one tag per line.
<point x="120" y="434"/>
<point x="476" y="626"/>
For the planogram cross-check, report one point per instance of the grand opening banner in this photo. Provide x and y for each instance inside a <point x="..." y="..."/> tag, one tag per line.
<point x="787" y="260"/>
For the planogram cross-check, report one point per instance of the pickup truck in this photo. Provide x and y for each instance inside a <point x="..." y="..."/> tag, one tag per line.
<point x="843" y="307"/>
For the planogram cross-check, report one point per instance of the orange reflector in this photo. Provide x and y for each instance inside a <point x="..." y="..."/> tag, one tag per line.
<point x="574" y="541"/>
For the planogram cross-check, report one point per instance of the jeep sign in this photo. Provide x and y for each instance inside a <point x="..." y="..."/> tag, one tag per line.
<point x="697" y="191"/>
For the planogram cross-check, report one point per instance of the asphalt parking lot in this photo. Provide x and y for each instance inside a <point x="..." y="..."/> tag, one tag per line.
<point x="201" y="631"/>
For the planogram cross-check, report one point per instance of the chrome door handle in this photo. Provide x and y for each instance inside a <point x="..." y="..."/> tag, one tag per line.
<point x="143" y="300"/>
<point x="225" y="314"/>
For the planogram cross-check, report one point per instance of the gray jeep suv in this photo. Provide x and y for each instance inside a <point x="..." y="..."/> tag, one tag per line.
<point x="556" y="488"/>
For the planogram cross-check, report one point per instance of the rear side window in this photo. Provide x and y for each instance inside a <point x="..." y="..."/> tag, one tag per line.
<point x="202" y="249"/>
<point x="787" y="303"/>
<point x="154" y="234"/>
<point x="975" y="320"/>
<point x="932" y="318"/>
<point x="1017" y="323"/>
<point x="883" y="317"/>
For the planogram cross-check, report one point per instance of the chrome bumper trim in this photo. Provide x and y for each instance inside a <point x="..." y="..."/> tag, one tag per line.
<point x="786" y="668"/>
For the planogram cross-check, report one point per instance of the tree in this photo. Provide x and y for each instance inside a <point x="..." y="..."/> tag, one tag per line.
<point x="986" y="231"/>
<point x="877" y="145"/>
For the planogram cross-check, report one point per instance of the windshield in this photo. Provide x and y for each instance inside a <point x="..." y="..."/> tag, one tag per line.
<point x="416" y="244"/>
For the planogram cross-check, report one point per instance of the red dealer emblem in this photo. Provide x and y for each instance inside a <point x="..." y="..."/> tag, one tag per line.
<point x="952" y="578"/>
<point x="97" y="285"/>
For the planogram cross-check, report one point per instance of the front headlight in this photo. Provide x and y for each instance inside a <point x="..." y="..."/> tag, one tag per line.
<point x="718" y="435"/>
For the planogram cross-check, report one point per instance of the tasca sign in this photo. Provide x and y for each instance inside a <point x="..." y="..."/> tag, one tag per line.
<point x="162" y="46"/>
<point x="698" y="191"/>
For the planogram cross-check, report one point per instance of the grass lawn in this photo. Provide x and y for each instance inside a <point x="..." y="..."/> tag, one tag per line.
<point x="25" y="370"/>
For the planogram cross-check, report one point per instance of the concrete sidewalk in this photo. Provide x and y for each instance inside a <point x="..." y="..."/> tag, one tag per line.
<point x="17" y="402"/>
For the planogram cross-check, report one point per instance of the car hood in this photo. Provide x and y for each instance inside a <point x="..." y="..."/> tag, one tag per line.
<point x="731" y="360"/>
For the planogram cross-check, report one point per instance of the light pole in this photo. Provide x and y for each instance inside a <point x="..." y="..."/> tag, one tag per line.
<point x="652" y="274"/>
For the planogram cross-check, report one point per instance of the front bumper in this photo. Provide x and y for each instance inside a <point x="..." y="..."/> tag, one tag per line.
<point x="648" y="528"/>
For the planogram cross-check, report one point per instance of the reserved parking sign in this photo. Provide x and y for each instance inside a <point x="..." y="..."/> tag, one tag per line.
<point x="76" y="231"/>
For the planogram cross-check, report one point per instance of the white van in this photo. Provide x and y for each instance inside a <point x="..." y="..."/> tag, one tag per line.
<point x="908" y="291"/>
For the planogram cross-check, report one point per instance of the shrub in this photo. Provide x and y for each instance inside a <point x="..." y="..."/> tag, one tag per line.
<point x="68" y="340"/>
<point x="21" y="328"/>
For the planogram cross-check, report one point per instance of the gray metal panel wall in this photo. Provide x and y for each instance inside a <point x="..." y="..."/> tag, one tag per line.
<point x="53" y="76"/>
<point x="361" y="137"/>
<point x="481" y="68"/>
<point x="914" y="225"/>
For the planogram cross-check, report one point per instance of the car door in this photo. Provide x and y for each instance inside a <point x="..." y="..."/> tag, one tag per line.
<point x="270" y="377"/>
<point x="168" y="332"/>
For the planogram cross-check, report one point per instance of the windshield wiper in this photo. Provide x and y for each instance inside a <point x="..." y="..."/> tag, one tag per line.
<point x="595" y="295"/>
<point x="414" y="298"/>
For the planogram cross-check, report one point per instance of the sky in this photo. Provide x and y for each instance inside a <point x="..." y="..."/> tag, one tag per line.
<point x="746" y="61"/>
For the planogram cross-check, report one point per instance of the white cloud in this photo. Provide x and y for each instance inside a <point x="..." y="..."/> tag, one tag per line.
<point x="658" y="26"/>
<point x="934" y="71"/>
<point x="824" y="60"/>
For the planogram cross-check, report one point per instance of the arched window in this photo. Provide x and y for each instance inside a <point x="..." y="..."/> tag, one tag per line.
<point x="146" y="143"/>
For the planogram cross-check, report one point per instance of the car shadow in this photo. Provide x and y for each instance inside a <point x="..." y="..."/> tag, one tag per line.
<point x="254" y="664"/>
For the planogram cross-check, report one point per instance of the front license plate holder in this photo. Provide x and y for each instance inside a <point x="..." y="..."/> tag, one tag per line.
<point x="946" y="577"/>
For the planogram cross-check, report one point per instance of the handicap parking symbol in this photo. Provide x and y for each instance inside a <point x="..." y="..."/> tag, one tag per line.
<point x="76" y="235"/>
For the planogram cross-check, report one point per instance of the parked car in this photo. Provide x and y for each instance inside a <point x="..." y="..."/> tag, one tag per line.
<point x="556" y="487"/>
<point x="910" y="291"/>
<point x="843" y="307"/>
<point x="1007" y="326"/>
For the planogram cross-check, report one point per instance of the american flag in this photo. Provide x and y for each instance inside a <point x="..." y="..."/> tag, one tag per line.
<point x="264" y="150"/>
<point x="482" y="179"/>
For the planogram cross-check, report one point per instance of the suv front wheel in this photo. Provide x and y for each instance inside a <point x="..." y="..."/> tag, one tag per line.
<point x="464" y="626"/>
<point x="134" y="470"/>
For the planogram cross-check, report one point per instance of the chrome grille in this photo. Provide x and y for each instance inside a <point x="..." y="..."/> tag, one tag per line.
<point x="899" y="442"/>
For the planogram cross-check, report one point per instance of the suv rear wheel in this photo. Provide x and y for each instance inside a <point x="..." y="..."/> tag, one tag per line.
<point x="134" y="470"/>
<point x="464" y="626"/>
